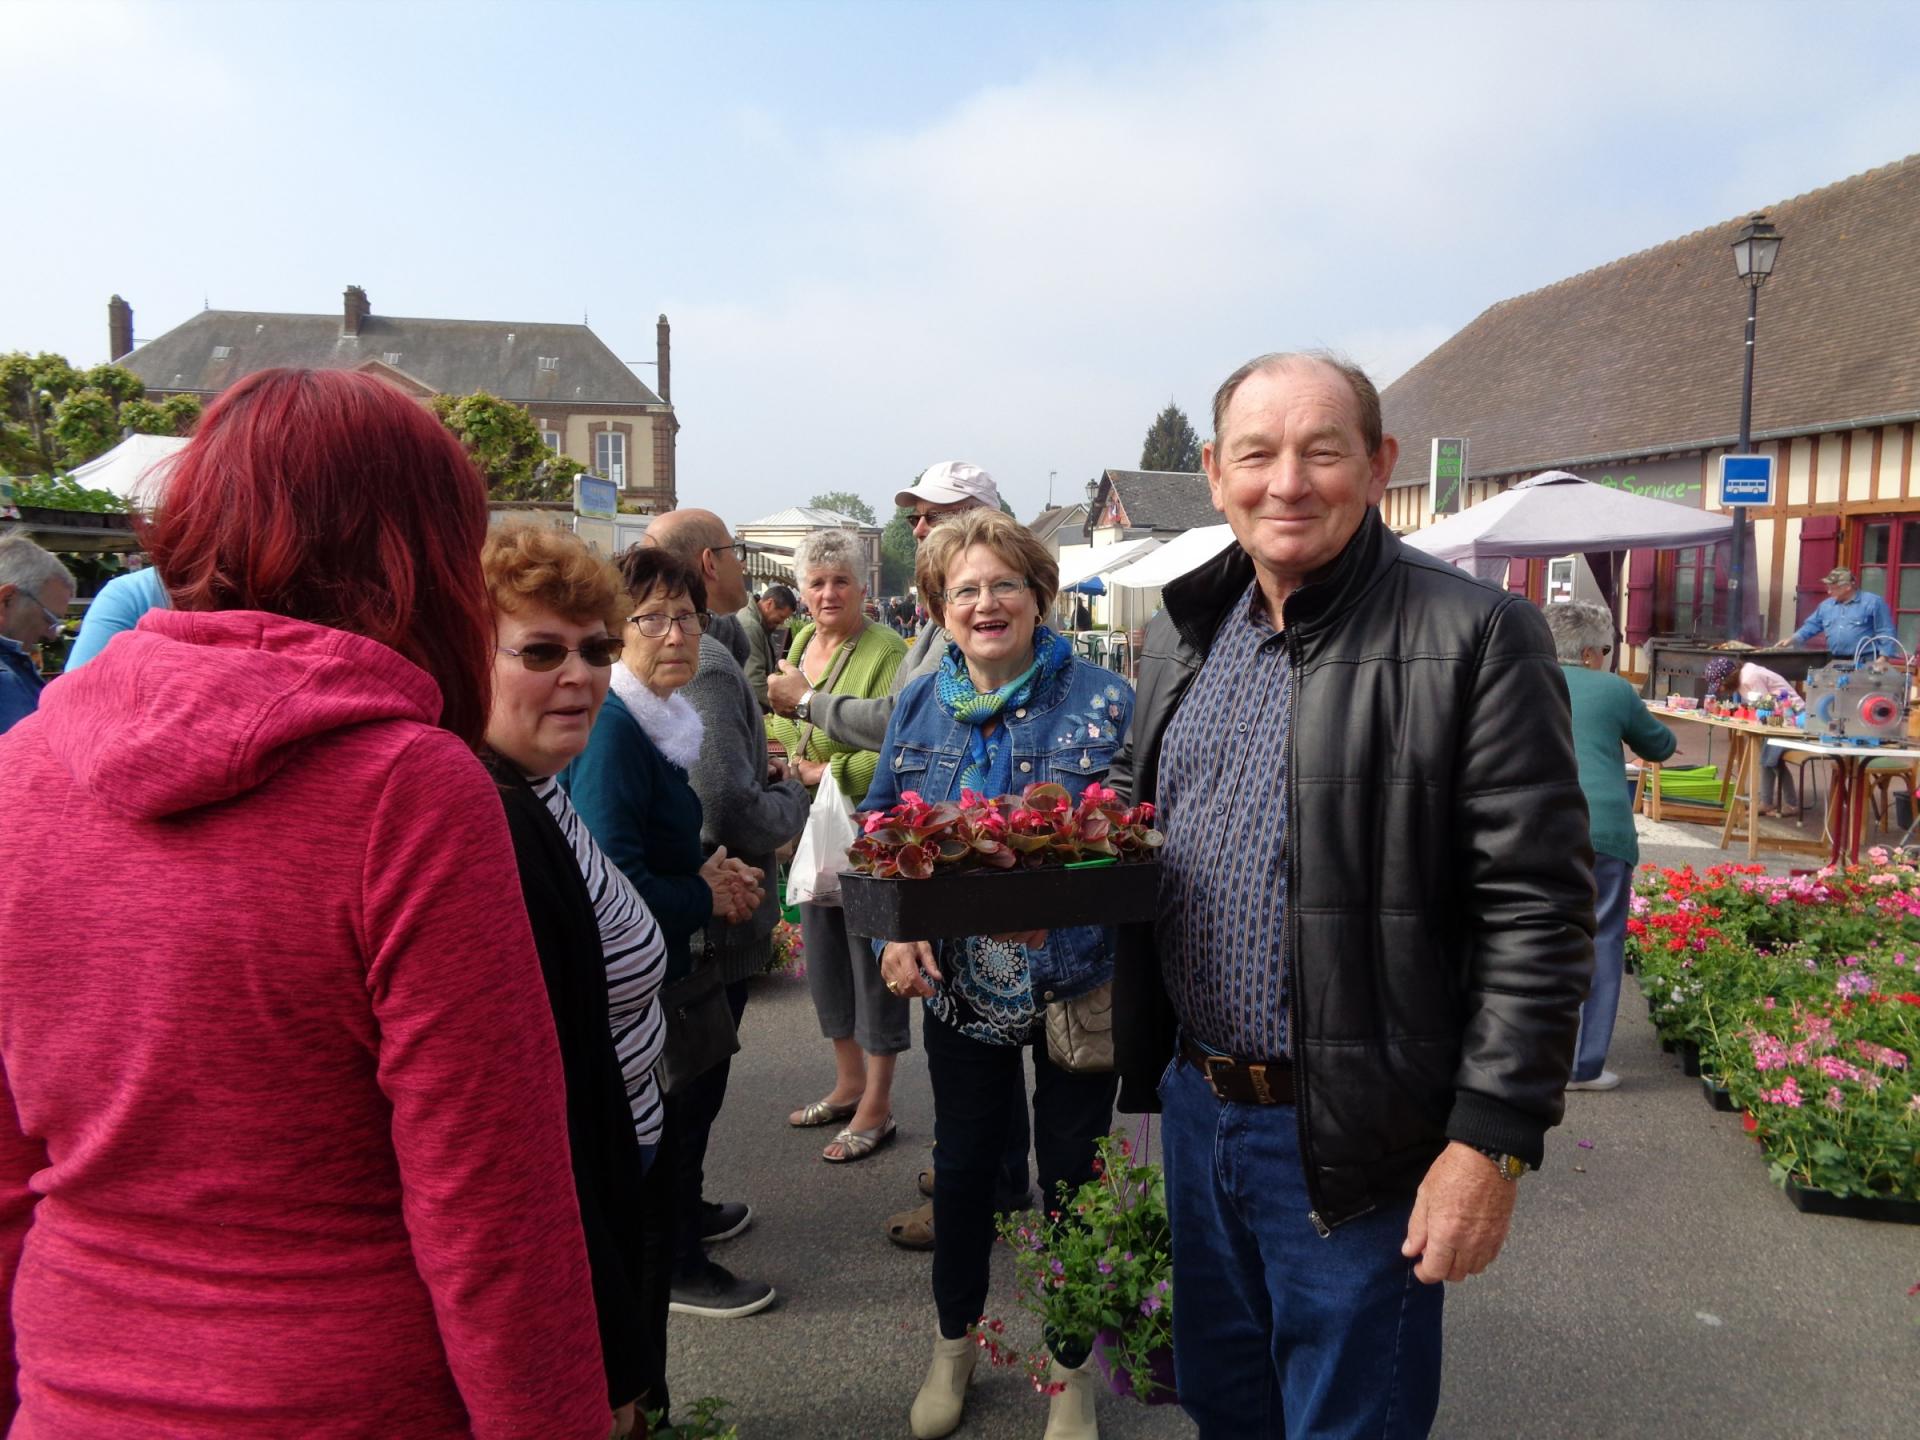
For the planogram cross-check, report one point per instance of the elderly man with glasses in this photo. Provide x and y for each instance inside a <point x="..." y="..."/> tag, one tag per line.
<point x="35" y="590"/>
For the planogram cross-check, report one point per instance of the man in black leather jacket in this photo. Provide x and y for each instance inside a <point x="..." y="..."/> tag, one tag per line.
<point x="1375" y="925"/>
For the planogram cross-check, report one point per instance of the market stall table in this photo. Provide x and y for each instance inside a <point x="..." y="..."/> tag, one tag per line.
<point x="1847" y="810"/>
<point x="1746" y="743"/>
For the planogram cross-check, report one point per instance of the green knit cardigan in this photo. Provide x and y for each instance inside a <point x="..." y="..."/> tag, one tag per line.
<point x="877" y="653"/>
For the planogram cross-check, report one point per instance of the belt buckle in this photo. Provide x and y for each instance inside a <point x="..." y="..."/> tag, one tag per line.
<point x="1207" y="1065"/>
<point x="1257" y="1077"/>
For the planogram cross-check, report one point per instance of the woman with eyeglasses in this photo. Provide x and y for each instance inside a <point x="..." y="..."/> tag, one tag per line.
<point x="1009" y="707"/>
<point x="283" y="1125"/>
<point x="1607" y="712"/>
<point x="842" y="653"/>
<point x="553" y="603"/>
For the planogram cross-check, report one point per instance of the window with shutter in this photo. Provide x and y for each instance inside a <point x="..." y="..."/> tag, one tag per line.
<point x="1819" y="553"/>
<point x="1640" y="574"/>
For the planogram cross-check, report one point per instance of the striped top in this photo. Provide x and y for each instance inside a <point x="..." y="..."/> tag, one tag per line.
<point x="636" y="962"/>
<point x="1223" y="808"/>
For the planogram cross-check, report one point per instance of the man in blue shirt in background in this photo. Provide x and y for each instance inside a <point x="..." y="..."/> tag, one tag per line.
<point x="1846" y="617"/>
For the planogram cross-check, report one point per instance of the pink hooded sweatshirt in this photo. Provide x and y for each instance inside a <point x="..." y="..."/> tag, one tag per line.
<point x="283" y="1148"/>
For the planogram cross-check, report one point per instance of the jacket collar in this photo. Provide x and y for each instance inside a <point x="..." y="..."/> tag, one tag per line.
<point x="1198" y="601"/>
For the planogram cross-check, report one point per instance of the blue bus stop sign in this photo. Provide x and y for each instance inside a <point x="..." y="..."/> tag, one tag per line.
<point x="1746" y="480"/>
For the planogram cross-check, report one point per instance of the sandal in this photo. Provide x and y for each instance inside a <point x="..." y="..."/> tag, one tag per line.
<point x="858" y="1144"/>
<point x="822" y="1112"/>
<point x="912" y="1229"/>
<point x="925" y="1181"/>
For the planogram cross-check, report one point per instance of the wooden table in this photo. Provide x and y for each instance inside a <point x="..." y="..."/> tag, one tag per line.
<point x="1746" y="743"/>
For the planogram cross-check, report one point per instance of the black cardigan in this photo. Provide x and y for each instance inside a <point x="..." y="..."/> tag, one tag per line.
<point x="607" y="1170"/>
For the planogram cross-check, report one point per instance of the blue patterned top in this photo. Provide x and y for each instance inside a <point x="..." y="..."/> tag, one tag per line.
<point x="1221" y="932"/>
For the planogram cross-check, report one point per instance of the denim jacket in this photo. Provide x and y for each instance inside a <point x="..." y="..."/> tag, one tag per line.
<point x="1067" y="736"/>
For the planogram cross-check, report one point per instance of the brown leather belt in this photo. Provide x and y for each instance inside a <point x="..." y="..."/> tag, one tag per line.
<point x="1241" y="1082"/>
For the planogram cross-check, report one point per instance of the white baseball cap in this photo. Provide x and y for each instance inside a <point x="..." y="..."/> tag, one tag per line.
<point x="950" y="482"/>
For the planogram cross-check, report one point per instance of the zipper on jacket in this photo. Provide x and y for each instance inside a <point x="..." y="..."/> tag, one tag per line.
<point x="1290" y="960"/>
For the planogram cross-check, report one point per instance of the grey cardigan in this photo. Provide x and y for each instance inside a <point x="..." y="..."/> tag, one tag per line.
<point x="849" y="720"/>
<point x="741" y="810"/>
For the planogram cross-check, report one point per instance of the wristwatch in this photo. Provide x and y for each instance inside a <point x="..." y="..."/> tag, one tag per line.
<point x="803" y="708"/>
<point x="1511" y="1167"/>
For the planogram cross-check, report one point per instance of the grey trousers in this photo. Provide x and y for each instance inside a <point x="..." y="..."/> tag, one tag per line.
<point x="848" y="994"/>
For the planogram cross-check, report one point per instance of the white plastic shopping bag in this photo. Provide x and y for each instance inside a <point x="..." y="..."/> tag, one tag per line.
<point x="813" y="876"/>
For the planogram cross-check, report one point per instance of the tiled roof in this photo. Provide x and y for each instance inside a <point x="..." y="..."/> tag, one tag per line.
<point x="806" y="517"/>
<point x="562" y="364"/>
<point x="1056" y="518"/>
<point x="1644" y="355"/>
<point x="1164" y="499"/>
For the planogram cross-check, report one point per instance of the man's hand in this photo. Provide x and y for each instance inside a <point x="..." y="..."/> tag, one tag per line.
<point x="1460" y="1216"/>
<point x="809" y="771"/>
<point x="785" y="689"/>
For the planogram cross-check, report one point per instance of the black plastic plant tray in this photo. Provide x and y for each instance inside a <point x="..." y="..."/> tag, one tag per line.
<point x="996" y="902"/>
<point x="1854" y="1207"/>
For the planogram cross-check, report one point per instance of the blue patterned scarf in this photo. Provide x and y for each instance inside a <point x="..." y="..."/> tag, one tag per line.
<point x="988" y="767"/>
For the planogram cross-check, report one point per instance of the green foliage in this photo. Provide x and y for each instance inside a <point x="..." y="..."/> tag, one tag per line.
<point x="705" y="1424"/>
<point x="1100" y="1264"/>
<point x="60" y="492"/>
<point x="504" y="441"/>
<point x="1171" y="443"/>
<point x="897" y="550"/>
<point x="54" y="417"/>
<point x="847" y="503"/>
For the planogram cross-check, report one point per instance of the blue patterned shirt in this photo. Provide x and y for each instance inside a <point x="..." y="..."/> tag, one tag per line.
<point x="1223" y="808"/>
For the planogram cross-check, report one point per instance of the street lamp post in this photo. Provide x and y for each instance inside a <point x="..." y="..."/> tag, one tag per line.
<point x="1755" y="249"/>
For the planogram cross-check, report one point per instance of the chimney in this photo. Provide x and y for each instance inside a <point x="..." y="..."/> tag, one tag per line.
<point x="119" y="328"/>
<point x="357" y="311"/>
<point x="664" y="343"/>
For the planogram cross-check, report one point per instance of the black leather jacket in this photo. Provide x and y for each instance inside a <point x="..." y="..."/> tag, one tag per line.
<point x="1440" y="893"/>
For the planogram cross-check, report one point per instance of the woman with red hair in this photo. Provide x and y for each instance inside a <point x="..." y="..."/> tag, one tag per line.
<point x="283" y="1145"/>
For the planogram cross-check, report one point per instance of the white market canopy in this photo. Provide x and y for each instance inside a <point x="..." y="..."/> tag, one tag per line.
<point x="1556" y="513"/>
<point x="134" y="469"/>
<point x="1102" y="560"/>
<point x="1184" y="552"/>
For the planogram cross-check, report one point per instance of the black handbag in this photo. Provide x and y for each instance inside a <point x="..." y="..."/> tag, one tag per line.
<point x="700" y="1028"/>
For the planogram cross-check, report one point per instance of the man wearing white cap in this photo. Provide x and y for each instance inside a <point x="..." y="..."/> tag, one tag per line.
<point x="943" y="489"/>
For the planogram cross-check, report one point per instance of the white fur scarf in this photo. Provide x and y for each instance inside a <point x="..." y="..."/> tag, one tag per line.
<point x="672" y="724"/>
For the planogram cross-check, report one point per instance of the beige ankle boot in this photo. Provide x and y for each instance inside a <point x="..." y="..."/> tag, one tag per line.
<point x="943" y="1394"/>
<point x="1070" y="1411"/>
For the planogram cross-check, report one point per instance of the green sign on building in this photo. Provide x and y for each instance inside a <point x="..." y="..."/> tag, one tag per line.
<point x="1447" y="476"/>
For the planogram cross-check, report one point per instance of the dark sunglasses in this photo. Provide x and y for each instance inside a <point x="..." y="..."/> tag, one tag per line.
<point x="599" y="652"/>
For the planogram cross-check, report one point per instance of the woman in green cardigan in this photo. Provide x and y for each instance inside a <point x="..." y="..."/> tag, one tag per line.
<point x="842" y="654"/>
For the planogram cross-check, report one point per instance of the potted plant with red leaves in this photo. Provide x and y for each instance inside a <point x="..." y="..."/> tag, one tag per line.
<point x="1039" y="860"/>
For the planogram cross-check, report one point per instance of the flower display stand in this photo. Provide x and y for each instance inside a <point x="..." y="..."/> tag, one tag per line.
<point x="995" y="902"/>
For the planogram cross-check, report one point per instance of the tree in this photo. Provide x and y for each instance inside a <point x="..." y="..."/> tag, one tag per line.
<point x="54" y="418"/>
<point x="897" y="549"/>
<point x="847" y="503"/>
<point x="1171" y="443"/>
<point x="505" y="443"/>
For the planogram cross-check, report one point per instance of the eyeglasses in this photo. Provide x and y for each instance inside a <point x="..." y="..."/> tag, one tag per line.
<point x="965" y="597"/>
<point x="934" y="517"/>
<point x="693" y="624"/>
<point x="740" y="551"/>
<point x="599" y="652"/>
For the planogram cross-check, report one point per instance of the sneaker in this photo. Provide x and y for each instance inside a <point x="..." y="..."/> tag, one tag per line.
<point x="719" y="1294"/>
<point x="723" y="1221"/>
<point x="1605" y="1080"/>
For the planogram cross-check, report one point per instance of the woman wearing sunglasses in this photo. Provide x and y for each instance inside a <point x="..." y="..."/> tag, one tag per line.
<point x="601" y="952"/>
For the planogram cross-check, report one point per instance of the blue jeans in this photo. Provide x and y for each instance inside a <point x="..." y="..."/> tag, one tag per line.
<point x="1276" y="1331"/>
<point x="1612" y="884"/>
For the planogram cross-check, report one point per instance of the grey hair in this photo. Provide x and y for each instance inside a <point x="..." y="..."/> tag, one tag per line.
<point x="26" y="565"/>
<point x="830" y="550"/>
<point x="1578" y="625"/>
<point x="1366" y="395"/>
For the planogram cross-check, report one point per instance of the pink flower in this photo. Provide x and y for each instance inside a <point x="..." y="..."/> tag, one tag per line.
<point x="1835" y="1100"/>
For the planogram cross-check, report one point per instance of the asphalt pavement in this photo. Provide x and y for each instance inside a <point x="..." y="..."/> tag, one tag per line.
<point x="1655" y="1283"/>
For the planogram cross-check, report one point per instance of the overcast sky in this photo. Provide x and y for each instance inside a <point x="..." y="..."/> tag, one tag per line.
<point x="889" y="234"/>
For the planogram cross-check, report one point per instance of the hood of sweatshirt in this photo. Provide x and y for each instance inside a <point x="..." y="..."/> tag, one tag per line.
<point x="189" y="709"/>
